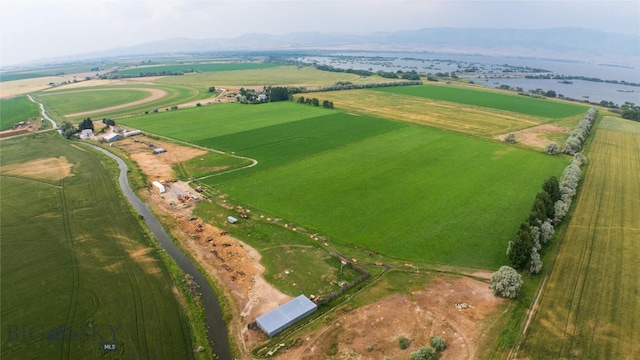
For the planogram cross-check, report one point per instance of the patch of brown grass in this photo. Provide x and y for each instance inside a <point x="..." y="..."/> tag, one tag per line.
<point x="43" y="169"/>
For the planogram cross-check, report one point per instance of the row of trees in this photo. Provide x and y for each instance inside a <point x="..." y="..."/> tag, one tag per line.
<point x="537" y="230"/>
<point x="350" y="86"/>
<point x="548" y="210"/>
<point x="408" y="75"/>
<point x="315" y="102"/>
<point x="576" y="139"/>
<point x="568" y="187"/>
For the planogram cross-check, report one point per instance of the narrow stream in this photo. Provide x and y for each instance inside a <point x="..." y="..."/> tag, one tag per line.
<point x="217" y="333"/>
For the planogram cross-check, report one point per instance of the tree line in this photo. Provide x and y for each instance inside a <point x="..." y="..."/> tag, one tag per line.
<point x="408" y="75"/>
<point x="549" y="208"/>
<point x="579" y="135"/>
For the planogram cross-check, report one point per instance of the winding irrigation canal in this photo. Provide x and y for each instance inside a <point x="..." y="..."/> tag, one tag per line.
<point x="217" y="331"/>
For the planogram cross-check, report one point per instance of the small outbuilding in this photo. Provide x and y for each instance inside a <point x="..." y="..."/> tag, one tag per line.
<point x="159" y="150"/>
<point x="159" y="186"/>
<point x="111" y="137"/>
<point x="132" y="133"/>
<point x="232" y="220"/>
<point x="286" y="315"/>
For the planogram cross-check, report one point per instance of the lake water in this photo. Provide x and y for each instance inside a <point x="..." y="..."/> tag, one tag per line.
<point x="490" y="71"/>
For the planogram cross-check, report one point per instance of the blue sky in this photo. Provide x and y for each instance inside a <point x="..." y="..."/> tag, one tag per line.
<point x="37" y="29"/>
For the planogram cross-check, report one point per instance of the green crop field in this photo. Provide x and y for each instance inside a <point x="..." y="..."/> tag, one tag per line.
<point x="76" y="268"/>
<point x="590" y="307"/>
<point x="398" y="189"/>
<point x="17" y="109"/>
<point x="198" y="124"/>
<point x="195" y="68"/>
<point x="492" y="99"/>
<point x="308" y="77"/>
<point x="414" y="193"/>
<point x="75" y="101"/>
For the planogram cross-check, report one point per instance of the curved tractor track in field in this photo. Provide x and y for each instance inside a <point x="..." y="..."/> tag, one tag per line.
<point x="254" y="162"/>
<point x="154" y="94"/>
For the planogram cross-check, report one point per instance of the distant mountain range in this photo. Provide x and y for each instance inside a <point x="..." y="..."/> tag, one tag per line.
<point x="557" y="43"/>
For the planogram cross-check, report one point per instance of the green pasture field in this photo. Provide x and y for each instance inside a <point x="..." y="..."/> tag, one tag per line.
<point x="175" y="95"/>
<point x="201" y="123"/>
<point x="208" y="164"/>
<point x="308" y="77"/>
<point x="589" y="308"/>
<point x="77" y="269"/>
<point x="415" y="194"/>
<point x="17" y="109"/>
<point x="196" y="68"/>
<point x="546" y="108"/>
<point x="466" y="119"/>
<point x="82" y="100"/>
<point x="273" y="133"/>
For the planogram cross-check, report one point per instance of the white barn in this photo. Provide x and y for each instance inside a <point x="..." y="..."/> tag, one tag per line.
<point x="286" y="315"/>
<point x="111" y="137"/>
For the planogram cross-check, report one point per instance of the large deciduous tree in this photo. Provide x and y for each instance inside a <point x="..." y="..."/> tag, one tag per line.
<point x="506" y="282"/>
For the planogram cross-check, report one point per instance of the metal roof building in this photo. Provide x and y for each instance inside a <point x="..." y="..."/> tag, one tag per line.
<point x="286" y="315"/>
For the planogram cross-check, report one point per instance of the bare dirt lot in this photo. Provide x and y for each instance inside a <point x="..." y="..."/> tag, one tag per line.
<point x="372" y="332"/>
<point x="157" y="167"/>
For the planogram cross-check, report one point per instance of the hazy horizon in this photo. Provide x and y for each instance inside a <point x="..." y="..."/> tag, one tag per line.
<point x="40" y="29"/>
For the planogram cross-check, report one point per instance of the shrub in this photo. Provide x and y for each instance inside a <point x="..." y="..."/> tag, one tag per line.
<point x="506" y="282"/>
<point x="438" y="343"/>
<point x="425" y="353"/>
<point x="552" y="148"/>
<point x="403" y="342"/>
<point x="510" y="138"/>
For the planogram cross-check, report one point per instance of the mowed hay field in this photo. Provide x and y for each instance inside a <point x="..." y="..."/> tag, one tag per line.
<point x="590" y="308"/>
<point x="406" y="191"/>
<point x="76" y="268"/>
<point x="493" y="116"/>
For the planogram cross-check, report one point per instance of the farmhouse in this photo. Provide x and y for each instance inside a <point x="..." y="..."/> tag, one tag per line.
<point x="286" y="315"/>
<point x="86" y="133"/>
<point x="111" y="137"/>
<point x="159" y="186"/>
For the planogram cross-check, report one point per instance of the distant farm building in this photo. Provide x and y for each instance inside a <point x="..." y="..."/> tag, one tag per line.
<point x="286" y="315"/>
<point x="159" y="186"/>
<point x="132" y="133"/>
<point x="86" y="133"/>
<point x="159" y="150"/>
<point x="232" y="220"/>
<point x="111" y="137"/>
